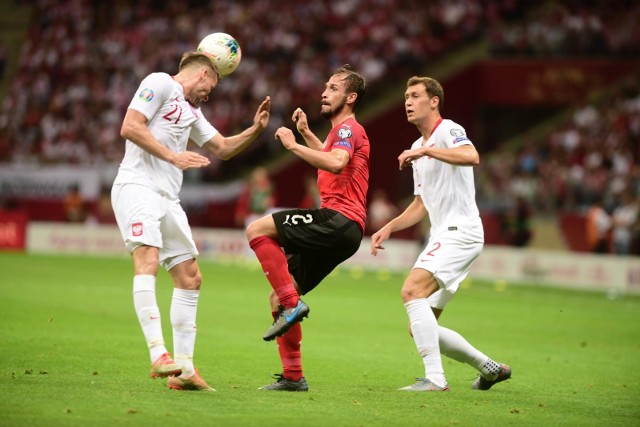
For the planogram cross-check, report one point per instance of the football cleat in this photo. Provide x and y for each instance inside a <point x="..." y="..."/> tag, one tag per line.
<point x="482" y="383"/>
<point x="287" y="317"/>
<point x="425" y="384"/>
<point x="283" y="384"/>
<point x="164" y="366"/>
<point x="192" y="383"/>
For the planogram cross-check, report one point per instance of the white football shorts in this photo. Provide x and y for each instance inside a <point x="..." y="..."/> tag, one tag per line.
<point x="145" y="217"/>
<point x="448" y="256"/>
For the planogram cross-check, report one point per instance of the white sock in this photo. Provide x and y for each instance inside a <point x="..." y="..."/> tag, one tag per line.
<point x="144" y="302"/>
<point x="184" y="306"/>
<point x="490" y="369"/>
<point x="453" y="345"/>
<point x="424" y="327"/>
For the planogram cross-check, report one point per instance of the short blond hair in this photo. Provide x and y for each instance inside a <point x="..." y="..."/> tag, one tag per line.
<point x="190" y="59"/>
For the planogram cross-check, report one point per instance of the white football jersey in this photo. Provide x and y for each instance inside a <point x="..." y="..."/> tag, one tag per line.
<point x="172" y="121"/>
<point x="447" y="191"/>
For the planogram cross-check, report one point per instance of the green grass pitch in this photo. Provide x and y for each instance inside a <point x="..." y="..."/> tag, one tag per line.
<point x="73" y="353"/>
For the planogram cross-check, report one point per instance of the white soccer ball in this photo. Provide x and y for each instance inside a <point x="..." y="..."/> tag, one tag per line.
<point x="223" y="50"/>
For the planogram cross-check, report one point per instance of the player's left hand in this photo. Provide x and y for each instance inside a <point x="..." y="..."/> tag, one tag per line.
<point x="299" y="117"/>
<point x="189" y="160"/>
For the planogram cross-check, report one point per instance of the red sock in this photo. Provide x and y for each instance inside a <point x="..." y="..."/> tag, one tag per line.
<point x="274" y="265"/>
<point x="289" y="349"/>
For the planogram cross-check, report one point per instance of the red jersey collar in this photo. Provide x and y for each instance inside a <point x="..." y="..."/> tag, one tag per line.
<point x="436" y="126"/>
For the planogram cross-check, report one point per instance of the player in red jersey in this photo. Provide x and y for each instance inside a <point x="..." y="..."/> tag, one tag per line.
<point x="315" y="241"/>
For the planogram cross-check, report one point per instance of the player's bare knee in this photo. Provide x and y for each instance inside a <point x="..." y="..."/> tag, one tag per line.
<point x="191" y="283"/>
<point x="193" y="277"/>
<point x="412" y="289"/>
<point x="186" y="275"/>
<point x="408" y="293"/>
<point x="261" y="227"/>
<point x="148" y="267"/>
<point x="196" y="280"/>
<point x="252" y="231"/>
<point x="145" y="260"/>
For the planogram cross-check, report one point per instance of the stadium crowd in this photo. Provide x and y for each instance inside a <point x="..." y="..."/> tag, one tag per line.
<point x="81" y="59"/>
<point x="571" y="28"/>
<point x="591" y="158"/>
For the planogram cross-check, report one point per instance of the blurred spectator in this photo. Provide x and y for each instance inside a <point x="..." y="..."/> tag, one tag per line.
<point x="624" y="219"/>
<point x="635" y="235"/>
<point x="570" y="28"/>
<point x="104" y="209"/>
<point x="516" y="223"/>
<point x="380" y="211"/>
<point x="311" y="198"/>
<point x="598" y="228"/>
<point x="256" y="198"/>
<point x="75" y="207"/>
<point x="594" y="154"/>
<point x="3" y="59"/>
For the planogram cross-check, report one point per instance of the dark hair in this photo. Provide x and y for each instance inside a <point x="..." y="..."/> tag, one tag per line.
<point x="433" y="87"/>
<point x="355" y="83"/>
<point x="196" y="58"/>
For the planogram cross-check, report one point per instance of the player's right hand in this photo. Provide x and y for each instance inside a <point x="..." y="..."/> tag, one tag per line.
<point x="406" y="158"/>
<point x="376" y="240"/>
<point x="189" y="160"/>
<point x="286" y="137"/>
<point x="263" y="113"/>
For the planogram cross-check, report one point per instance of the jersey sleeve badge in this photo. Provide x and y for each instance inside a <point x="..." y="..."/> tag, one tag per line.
<point x="146" y="95"/>
<point x="458" y="135"/>
<point x="344" y="134"/>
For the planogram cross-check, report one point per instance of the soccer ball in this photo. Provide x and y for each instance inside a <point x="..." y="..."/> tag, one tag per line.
<point x="223" y="50"/>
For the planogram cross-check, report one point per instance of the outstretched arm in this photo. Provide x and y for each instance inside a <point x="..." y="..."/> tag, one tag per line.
<point x="413" y="214"/>
<point x="227" y="147"/>
<point x="134" y="128"/>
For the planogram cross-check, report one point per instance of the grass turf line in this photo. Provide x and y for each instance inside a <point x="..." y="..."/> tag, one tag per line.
<point x="74" y="354"/>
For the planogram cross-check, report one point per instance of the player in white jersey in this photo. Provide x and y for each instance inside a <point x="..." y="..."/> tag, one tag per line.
<point x="442" y="160"/>
<point x="163" y="116"/>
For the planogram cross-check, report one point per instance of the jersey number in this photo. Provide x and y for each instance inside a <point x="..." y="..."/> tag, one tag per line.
<point x="436" y="246"/>
<point x="169" y="116"/>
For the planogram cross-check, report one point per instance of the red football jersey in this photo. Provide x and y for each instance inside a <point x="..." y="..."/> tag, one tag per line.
<point x="347" y="191"/>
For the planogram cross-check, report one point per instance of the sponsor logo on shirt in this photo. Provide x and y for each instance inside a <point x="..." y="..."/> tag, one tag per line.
<point x="342" y="143"/>
<point x="146" y="95"/>
<point x="136" y="229"/>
